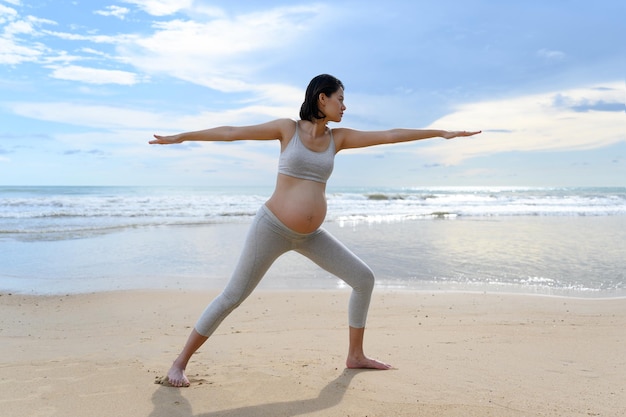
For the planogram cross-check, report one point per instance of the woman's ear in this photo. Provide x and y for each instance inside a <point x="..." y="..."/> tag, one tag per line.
<point x="322" y="98"/>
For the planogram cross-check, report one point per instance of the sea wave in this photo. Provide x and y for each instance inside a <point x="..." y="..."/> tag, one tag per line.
<point x="32" y="210"/>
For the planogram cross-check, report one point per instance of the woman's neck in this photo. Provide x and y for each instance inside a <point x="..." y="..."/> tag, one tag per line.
<point x="317" y="128"/>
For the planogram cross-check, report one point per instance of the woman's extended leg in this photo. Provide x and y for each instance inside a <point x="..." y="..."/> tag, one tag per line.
<point x="263" y="245"/>
<point x="332" y="255"/>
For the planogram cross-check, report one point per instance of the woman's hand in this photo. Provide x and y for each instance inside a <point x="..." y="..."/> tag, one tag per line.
<point x="452" y="135"/>
<point x="166" y="140"/>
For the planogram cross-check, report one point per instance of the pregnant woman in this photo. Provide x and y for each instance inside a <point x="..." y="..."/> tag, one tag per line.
<point x="292" y="217"/>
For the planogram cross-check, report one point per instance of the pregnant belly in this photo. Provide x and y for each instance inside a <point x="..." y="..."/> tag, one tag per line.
<point x="302" y="208"/>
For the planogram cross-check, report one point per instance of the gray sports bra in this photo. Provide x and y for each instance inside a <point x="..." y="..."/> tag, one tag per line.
<point x="299" y="161"/>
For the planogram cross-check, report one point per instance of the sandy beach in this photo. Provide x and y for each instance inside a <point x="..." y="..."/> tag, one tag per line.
<point x="282" y="354"/>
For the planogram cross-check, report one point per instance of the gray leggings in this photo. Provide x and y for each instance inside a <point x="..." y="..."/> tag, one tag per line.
<point x="269" y="238"/>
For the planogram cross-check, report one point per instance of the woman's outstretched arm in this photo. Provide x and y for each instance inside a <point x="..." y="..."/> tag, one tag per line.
<point x="276" y="129"/>
<point x="350" y="138"/>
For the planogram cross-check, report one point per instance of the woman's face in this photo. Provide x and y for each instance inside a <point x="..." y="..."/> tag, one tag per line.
<point x="333" y="106"/>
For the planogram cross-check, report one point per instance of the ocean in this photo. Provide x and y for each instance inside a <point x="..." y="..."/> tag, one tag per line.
<point x="546" y="241"/>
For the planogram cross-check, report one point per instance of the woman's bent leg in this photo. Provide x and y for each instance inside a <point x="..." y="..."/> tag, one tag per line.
<point x="330" y="254"/>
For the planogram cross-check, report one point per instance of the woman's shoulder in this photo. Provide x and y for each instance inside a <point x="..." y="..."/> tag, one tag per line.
<point x="339" y="133"/>
<point x="287" y="127"/>
<point x="286" y="121"/>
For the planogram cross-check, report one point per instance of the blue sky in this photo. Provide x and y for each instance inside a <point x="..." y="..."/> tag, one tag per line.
<point x="85" y="84"/>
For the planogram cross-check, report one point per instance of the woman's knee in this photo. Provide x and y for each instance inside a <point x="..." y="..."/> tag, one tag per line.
<point x="216" y="312"/>
<point x="230" y="300"/>
<point x="366" y="280"/>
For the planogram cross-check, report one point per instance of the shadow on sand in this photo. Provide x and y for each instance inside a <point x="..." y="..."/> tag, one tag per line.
<point x="170" y="402"/>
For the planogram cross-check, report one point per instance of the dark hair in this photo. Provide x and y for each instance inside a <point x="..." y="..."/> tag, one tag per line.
<point x="324" y="83"/>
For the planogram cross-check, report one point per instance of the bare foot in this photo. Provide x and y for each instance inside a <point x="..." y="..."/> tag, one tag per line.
<point x="176" y="377"/>
<point x="366" y="363"/>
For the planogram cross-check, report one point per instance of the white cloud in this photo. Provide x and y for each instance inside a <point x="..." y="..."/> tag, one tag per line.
<point x="13" y="50"/>
<point x="95" y="52"/>
<point x="539" y="122"/>
<point x="161" y="7"/>
<point x="7" y="13"/>
<point x="241" y="116"/>
<point x="111" y="39"/>
<point x="18" y="27"/>
<point x="221" y="53"/>
<point x="95" y="75"/>
<point x="117" y="117"/>
<point x="94" y="116"/>
<point x="115" y="11"/>
<point x="25" y="26"/>
<point x="12" y="54"/>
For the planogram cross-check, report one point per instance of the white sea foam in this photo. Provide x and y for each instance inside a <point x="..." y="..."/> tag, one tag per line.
<point x="36" y="211"/>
